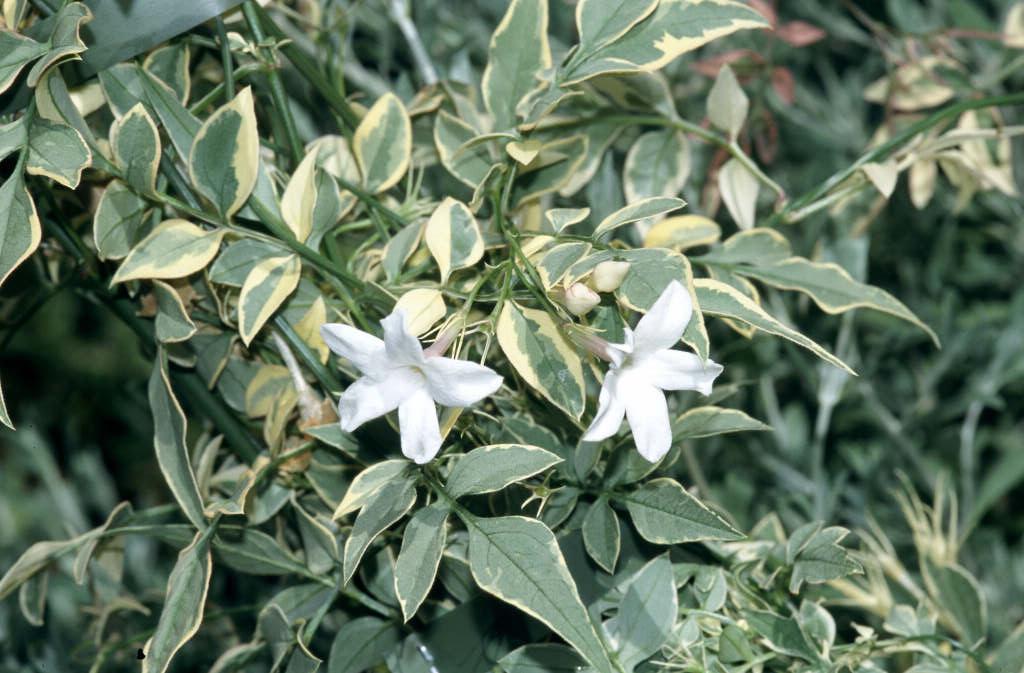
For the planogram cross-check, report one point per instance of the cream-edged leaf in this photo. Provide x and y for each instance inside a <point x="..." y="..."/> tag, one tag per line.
<point x="517" y="54"/>
<point x="299" y="199"/>
<point x="224" y="160"/>
<point x="649" y="207"/>
<point x="882" y="175"/>
<point x="174" y="249"/>
<point x="717" y="298"/>
<point x="119" y="222"/>
<point x="172" y="323"/>
<point x="135" y="143"/>
<point x="453" y="237"/>
<point x="265" y="288"/>
<point x="20" y="231"/>
<point x="541" y="355"/>
<point x="665" y="513"/>
<point x="657" y="164"/>
<point x="182" y="613"/>
<point x="420" y="555"/>
<point x="382" y="144"/>
<point x="18" y="51"/>
<point x="562" y="218"/>
<point x="57" y="151"/>
<point x="492" y="468"/>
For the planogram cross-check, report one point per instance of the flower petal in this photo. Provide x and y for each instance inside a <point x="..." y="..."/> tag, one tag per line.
<point x="356" y="346"/>
<point x="665" y="322"/>
<point x="369" y="398"/>
<point x="402" y="346"/>
<point x="459" y="383"/>
<point x="647" y="413"/>
<point x="610" y="411"/>
<point x="421" y="435"/>
<point x="679" y="370"/>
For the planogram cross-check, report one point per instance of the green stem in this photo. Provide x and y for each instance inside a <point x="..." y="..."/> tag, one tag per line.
<point x="309" y="69"/>
<point x="225" y="59"/>
<point x="277" y="93"/>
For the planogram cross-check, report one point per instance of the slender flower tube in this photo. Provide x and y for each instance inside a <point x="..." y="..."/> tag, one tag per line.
<point x="398" y="374"/>
<point x="645" y="366"/>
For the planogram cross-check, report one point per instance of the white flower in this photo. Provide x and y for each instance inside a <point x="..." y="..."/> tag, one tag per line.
<point x="397" y="374"/>
<point x="645" y="366"/>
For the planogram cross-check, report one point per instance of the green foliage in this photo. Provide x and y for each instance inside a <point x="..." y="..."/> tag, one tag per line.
<point x="520" y="200"/>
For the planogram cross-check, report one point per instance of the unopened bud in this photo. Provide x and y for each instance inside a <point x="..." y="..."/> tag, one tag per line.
<point x="580" y="299"/>
<point x="608" y="276"/>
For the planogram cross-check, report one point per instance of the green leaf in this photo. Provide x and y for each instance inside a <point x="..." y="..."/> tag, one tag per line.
<point x="65" y="41"/>
<point x="601" y="534"/>
<point x="782" y="634"/>
<point x="16" y="51"/>
<point x="238" y="258"/>
<point x="124" y="85"/>
<point x="646" y="614"/>
<point x="557" y="261"/>
<point x="453" y="237"/>
<point x="831" y="288"/>
<point x="665" y="513"/>
<point x="224" y="159"/>
<point x="119" y="222"/>
<point x="492" y="468"/>
<point x="562" y="218"/>
<point x="172" y="322"/>
<point x="739" y="188"/>
<point x="253" y="552"/>
<point x="361" y="644"/>
<point x="169" y="430"/>
<point x="674" y="28"/>
<point x="32" y="598"/>
<point x="57" y="151"/>
<point x="175" y="249"/>
<point x="711" y="420"/>
<point x="720" y="299"/>
<point x="541" y="355"/>
<point x="511" y="70"/>
<point x="754" y="246"/>
<point x="819" y="558"/>
<point x="649" y="207"/>
<point x="727" y="104"/>
<point x="13" y="136"/>
<point x="383" y="509"/>
<point x="657" y="165"/>
<point x="368" y="483"/>
<point x="542" y="658"/>
<point x="518" y="560"/>
<point x="266" y="287"/>
<point x="181" y="125"/>
<point x="420" y="556"/>
<point x="20" y="231"/>
<point x="5" y="417"/>
<point x="182" y="613"/>
<point x="382" y="144"/>
<point x="959" y="596"/>
<point x="136" y="146"/>
<point x="318" y="541"/>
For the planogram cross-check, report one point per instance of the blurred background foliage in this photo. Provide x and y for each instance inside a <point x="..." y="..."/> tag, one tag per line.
<point x="948" y="422"/>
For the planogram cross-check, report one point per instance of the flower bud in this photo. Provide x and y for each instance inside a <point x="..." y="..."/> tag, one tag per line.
<point x="580" y="299"/>
<point x="608" y="276"/>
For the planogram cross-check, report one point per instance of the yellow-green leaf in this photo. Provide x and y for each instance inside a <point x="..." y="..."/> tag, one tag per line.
<point x="682" y="232"/>
<point x="727" y="104"/>
<point x="541" y="355"/>
<point x="264" y="290"/>
<point x="383" y="143"/>
<point x="739" y="188"/>
<point x="518" y="52"/>
<point x="423" y="308"/>
<point x="224" y="160"/>
<point x="299" y="198"/>
<point x="453" y="237"/>
<point x="176" y="248"/>
<point x="136" y="146"/>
